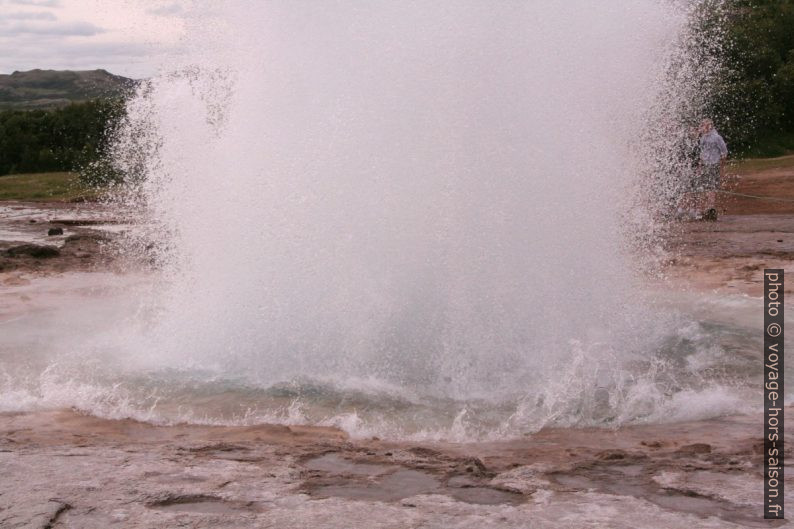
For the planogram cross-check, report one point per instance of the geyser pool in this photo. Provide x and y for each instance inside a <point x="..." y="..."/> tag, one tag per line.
<point x="400" y="217"/>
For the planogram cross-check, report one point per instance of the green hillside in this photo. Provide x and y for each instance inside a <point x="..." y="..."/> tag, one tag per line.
<point x="47" y="89"/>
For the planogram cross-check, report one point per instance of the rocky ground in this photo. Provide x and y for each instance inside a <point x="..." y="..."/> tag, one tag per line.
<point x="730" y="255"/>
<point x="48" y="238"/>
<point x="751" y="234"/>
<point x="63" y="469"/>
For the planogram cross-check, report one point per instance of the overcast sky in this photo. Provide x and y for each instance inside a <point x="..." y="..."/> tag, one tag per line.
<point x="125" y="37"/>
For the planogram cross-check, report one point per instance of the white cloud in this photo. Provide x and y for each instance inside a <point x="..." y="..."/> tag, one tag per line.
<point x="126" y="37"/>
<point x="165" y="10"/>
<point x="28" y="15"/>
<point x="83" y="29"/>
<point x="131" y="60"/>
<point x="37" y="3"/>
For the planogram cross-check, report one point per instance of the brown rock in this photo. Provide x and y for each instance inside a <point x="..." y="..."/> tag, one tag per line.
<point x="33" y="250"/>
<point x="611" y="455"/>
<point x="697" y="448"/>
<point x="97" y="237"/>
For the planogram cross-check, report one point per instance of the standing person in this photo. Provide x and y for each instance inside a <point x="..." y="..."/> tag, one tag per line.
<point x="713" y="153"/>
<point x="690" y="158"/>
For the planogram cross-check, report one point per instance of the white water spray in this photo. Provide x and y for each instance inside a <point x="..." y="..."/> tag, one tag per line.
<point x="423" y="195"/>
<point x="404" y="218"/>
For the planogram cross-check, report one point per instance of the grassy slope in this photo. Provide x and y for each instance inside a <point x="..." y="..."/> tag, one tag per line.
<point x="752" y="165"/>
<point x="43" y="187"/>
<point x="46" y="89"/>
<point x="762" y="176"/>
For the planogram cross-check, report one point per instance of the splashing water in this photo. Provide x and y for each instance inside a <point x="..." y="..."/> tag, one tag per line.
<point x="403" y="218"/>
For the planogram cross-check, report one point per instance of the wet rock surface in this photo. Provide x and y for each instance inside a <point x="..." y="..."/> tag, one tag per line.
<point x="730" y="255"/>
<point x="37" y="251"/>
<point x="202" y="504"/>
<point x="67" y="470"/>
<point x="62" y="469"/>
<point x="750" y="234"/>
<point x="336" y="476"/>
<point x="58" y="237"/>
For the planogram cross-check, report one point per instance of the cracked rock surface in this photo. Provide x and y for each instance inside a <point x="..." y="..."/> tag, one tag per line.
<point x="62" y="469"/>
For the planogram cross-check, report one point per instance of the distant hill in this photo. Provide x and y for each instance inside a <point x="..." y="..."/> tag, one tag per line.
<point x="46" y="89"/>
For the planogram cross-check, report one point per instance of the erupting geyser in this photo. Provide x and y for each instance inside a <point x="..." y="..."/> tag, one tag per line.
<point x="408" y="218"/>
<point x="408" y="196"/>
